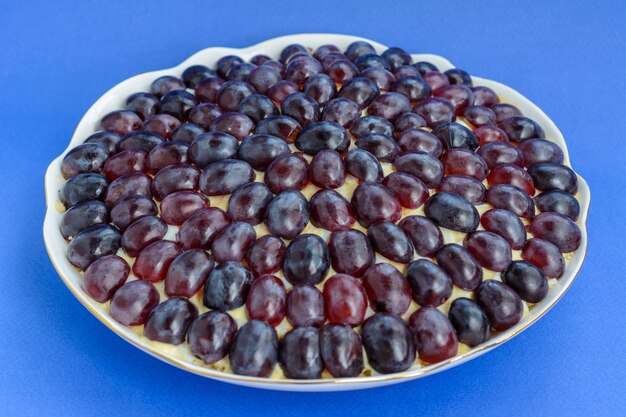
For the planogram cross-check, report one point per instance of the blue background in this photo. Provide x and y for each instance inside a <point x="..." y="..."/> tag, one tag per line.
<point x="56" y="58"/>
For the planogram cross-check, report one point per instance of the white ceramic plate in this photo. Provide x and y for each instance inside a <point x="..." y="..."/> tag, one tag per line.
<point x="114" y="99"/>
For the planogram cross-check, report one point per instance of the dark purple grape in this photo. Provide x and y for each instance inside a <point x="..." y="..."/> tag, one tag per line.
<point x="507" y="225"/>
<point x="410" y="190"/>
<point x="257" y="107"/>
<point x="225" y="176"/>
<point x="300" y="69"/>
<point x="406" y="71"/>
<point x="236" y="124"/>
<point x="360" y="90"/>
<point x="302" y="108"/>
<point x="413" y="88"/>
<point x="263" y="77"/>
<point x="187" y="273"/>
<point x="388" y="343"/>
<point x="305" y="306"/>
<point x="277" y="66"/>
<point x="299" y="353"/>
<point x="479" y="116"/>
<point x="200" y="229"/>
<point x="225" y="63"/>
<point x="207" y="89"/>
<point x="324" y="50"/>
<point x="227" y="286"/>
<point x="497" y="153"/>
<point x="330" y="211"/>
<point x="389" y="106"/>
<point x="503" y="306"/>
<point x="341" y="71"/>
<point x="371" y="124"/>
<point x="327" y="169"/>
<point x="266" y="300"/>
<point x="341" y="350"/>
<point x="520" y="128"/>
<point x="254" y="350"/>
<point x="384" y="148"/>
<point x="291" y="50"/>
<point x="548" y="177"/>
<point x="104" y="276"/>
<point x="387" y="289"/>
<point x="321" y="88"/>
<point x="143" y="105"/>
<point x="350" y="252"/>
<point x="430" y="284"/>
<point x="465" y="271"/>
<point x="132" y="302"/>
<point x="458" y="76"/>
<point x="381" y="77"/>
<point x="287" y="172"/>
<point x="435" y="338"/>
<point x="186" y="133"/>
<point x="179" y="206"/>
<point x="92" y="243"/>
<point x="467" y="187"/>
<point x="139" y="140"/>
<point x="484" y="96"/>
<point x="121" y="122"/>
<point x="306" y="260"/>
<point x="322" y="135"/>
<point x="287" y="214"/>
<point x="129" y="209"/>
<point x="260" y="150"/>
<point x="421" y="165"/>
<point x="259" y="59"/>
<point x="81" y="216"/>
<point x="374" y="202"/>
<point x="436" y="80"/>
<point x="514" y="175"/>
<point x="424" y="234"/>
<point x="108" y="139"/>
<point x="177" y="103"/>
<point x="491" y="250"/>
<point x="239" y="72"/>
<point x="283" y="127"/>
<point x="281" y="90"/>
<point x="459" y="95"/>
<point x="212" y="147"/>
<point x="557" y="229"/>
<point x="330" y="58"/>
<point x="512" y="198"/>
<point x="85" y="158"/>
<point x="420" y="140"/>
<point x="455" y="135"/>
<point x="232" y="93"/>
<point x="461" y="161"/>
<point x="358" y="49"/>
<point x="371" y="61"/>
<point x="203" y="115"/>
<point x="232" y="243"/>
<point x="162" y="125"/>
<point x="545" y="255"/>
<point x="167" y="153"/>
<point x="141" y="233"/>
<point x="469" y="321"/>
<point x="83" y="187"/>
<point x="173" y="178"/>
<point x="423" y="67"/>
<point x="390" y="241"/>
<point x="154" y="260"/>
<point x="341" y="111"/>
<point x="435" y="111"/>
<point x="539" y="151"/>
<point x="248" y="203"/>
<point x="489" y="134"/>
<point x="211" y="335"/>
<point x="265" y="255"/>
<point x="169" y="321"/>
<point x="408" y="121"/>
<point x="558" y="201"/>
<point x="136" y="183"/>
<point x="397" y="57"/>
<point x="526" y="280"/>
<point x="363" y="165"/>
<point x="196" y="73"/>
<point x="163" y="85"/>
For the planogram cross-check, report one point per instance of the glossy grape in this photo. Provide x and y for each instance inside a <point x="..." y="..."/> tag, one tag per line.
<point x="455" y="135"/>
<point x="143" y="105"/>
<point x="410" y="190"/>
<point x="435" y="111"/>
<point x="420" y="140"/>
<point x="85" y="158"/>
<point x="266" y="300"/>
<point x="322" y="135"/>
<point x="513" y="175"/>
<point x="132" y="208"/>
<point x="374" y="202"/>
<point x="140" y="140"/>
<point x="360" y="90"/>
<point x="327" y="169"/>
<point x="104" y="276"/>
<point x="92" y="243"/>
<point x="341" y="111"/>
<point x="345" y="300"/>
<point x="173" y="178"/>
<point x="461" y="266"/>
<point x="389" y="106"/>
<point x="132" y="302"/>
<point x="225" y="176"/>
<point x="154" y="260"/>
<point x="265" y="255"/>
<point x="165" y="84"/>
<point x="413" y="88"/>
<point x="390" y="241"/>
<point x="381" y="77"/>
<point x="545" y="255"/>
<point x="520" y="128"/>
<point x="108" y="139"/>
<point x="526" y="280"/>
<point x="321" y="88"/>
<point x="485" y="96"/>
<point x="491" y="250"/>
<point x="452" y="212"/>
<point x="287" y="214"/>
<point x="187" y="273"/>
<point x="121" y="122"/>
<point x="232" y="93"/>
<point x="169" y="321"/>
<point x="236" y="124"/>
<point x="232" y="243"/>
<point x="141" y="233"/>
<point x="281" y="90"/>
<point x="423" y="67"/>
<point x="305" y="306"/>
<point x="167" y="153"/>
<point x="125" y="162"/>
<point x="300" y="69"/>
<point x="81" y="216"/>
<point x="396" y="57"/>
<point x="128" y="185"/>
<point x="430" y="284"/>
<point x="467" y="187"/>
<point x="460" y="96"/>
<point x="424" y="234"/>
<point x="384" y="148"/>
<point x="512" y="198"/>
<point x="227" y="286"/>
<point x="363" y="165"/>
<point x="488" y="134"/>
<point x="330" y="211"/>
<point x="497" y="153"/>
<point x="287" y="172"/>
<point x="177" y="103"/>
<point x="435" y="338"/>
<point x="549" y="176"/>
<point x="83" y="187"/>
<point x="199" y="230"/>
<point x="341" y="71"/>
<point x="421" y="165"/>
<point x="306" y="260"/>
<point x="539" y="151"/>
<point x="212" y="147"/>
<point x="179" y="206"/>
<point x="387" y="289"/>
<point x="208" y="88"/>
<point x="436" y="80"/>
<point x="557" y="229"/>
<point x="458" y="76"/>
<point x="302" y="108"/>
<point x="299" y="353"/>
<point x="260" y="150"/>
<point x="210" y="336"/>
<point x="461" y="161"/>
<point x="507" y="225"/>
<point x="203" y="115"/>
<point x="469" y="321"/>
<point x="239" y="72"/>
<point x="254" y="350"/>
<point x="263" y="77"/>
<point x="162" y="125"/>
<point x="341" y="350"/>
<point x="388" y="343"/>
<point x="257" y="107"/>
<point x="501" y="304"/>
<point x="558" y="201"/>
<point x="248" y="203"/>
<point x="283" y="127"/>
